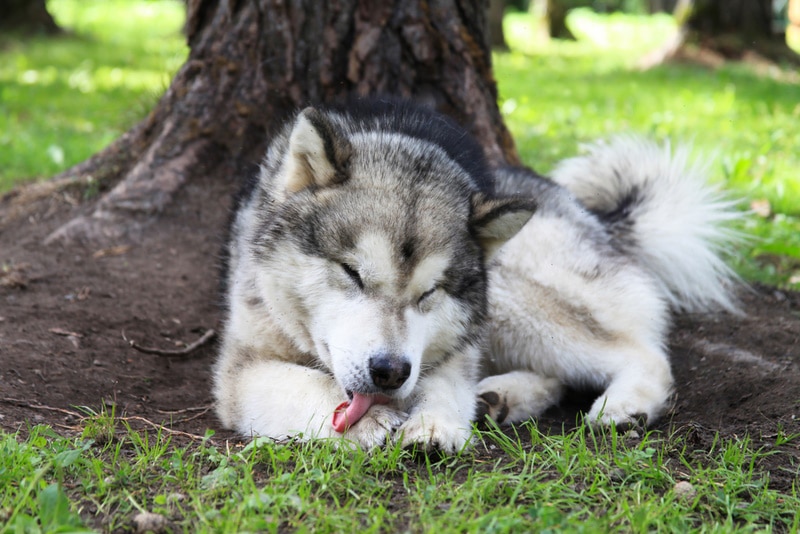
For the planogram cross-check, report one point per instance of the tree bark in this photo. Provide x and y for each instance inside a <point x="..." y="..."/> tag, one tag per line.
<point x="497" y="38"/>
<point x="554" y="15"/>
<point x="713" y="31"/>
<point x="744" y="18"/>
<point x="27" y="17"/>
<point x="253" y="62"/>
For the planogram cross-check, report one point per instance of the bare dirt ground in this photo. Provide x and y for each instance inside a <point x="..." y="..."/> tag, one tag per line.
<point x="68" y="314"/>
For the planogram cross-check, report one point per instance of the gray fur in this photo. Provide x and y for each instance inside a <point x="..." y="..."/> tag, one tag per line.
<point x="368" y="215"/>
<point x="378" y="234"/>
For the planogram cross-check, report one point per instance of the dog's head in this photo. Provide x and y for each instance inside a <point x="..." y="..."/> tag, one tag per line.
<point x="376" y="244"/>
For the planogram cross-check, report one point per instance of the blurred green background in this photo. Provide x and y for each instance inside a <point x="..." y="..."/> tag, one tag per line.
<point x="64" y="98"/>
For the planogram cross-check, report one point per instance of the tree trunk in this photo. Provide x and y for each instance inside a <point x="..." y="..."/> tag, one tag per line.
<point x="557" y="19"/>
<point x="253" y="62"/>
<point x="714" y="31"/>
<point x="735" y="29"/>
<point x="27" y="17"/>
<point x="744" y="18"/>
<point x="497" y="38"/>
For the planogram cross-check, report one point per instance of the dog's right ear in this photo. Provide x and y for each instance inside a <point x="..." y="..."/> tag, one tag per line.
<point x="496" y="220"/>
<point x="318" y="153"/>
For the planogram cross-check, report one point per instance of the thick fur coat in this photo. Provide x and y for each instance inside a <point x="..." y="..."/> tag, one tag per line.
<point x="384" y="284"/>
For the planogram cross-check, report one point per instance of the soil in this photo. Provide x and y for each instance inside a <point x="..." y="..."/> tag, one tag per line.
<point x="68" y="315"/>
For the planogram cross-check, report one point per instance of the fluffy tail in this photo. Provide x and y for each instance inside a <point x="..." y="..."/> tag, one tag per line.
<point x="661" y="210"/>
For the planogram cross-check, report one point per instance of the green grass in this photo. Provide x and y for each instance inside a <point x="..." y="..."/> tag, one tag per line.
<point x="582" y="481"/>
<point x="557" y="95"/>
<point x="63" y="99"/>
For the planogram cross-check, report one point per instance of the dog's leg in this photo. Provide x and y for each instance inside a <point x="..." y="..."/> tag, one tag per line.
<point x="637" y="392"/>
<point x="280" y="399"/>
<point x="443" y="409"/>
<point x="516" y="396"/>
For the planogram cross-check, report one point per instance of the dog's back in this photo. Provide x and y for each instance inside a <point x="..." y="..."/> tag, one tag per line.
<point x="581" y="296"/>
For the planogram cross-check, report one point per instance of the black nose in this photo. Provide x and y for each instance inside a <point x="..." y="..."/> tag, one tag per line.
<point x="389" y="371"/>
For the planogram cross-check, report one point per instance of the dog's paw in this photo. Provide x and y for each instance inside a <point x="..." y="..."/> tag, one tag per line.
<point x="376" y="427"/>
<point x="491" y="404"/>
<point x="430" y="432"/>
<point x="624" y="414"/>
<point x="516" y="396"/>
<point x="631" y="404"/>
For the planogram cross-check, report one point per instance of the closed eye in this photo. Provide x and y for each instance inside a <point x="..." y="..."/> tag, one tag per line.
<point x="354" y="276"/>
<point x="427" y="294"/>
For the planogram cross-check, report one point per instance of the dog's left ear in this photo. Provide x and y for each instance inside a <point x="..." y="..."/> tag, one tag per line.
<point x="496" y="220"/>
<point x="318" y="153"/>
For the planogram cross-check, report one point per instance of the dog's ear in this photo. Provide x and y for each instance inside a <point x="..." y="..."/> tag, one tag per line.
<point x="318" y="153"/>
<point x="496" y="220"/>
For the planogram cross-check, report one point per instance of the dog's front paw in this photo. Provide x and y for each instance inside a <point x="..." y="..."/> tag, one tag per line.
<point x="376" y="427"/>
<point x="435" y="432"/>
<point x="622" y="413"/>
<point x="631" y="404"/>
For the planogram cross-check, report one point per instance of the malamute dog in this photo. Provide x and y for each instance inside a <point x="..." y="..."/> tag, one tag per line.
<point x="383" y="283"/>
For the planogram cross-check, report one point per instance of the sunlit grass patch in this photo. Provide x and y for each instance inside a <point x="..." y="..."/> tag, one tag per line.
<point x="620" y="31"/>
<point x="597" y="35"/>
<point x="63" y="99"/>
<point x="557" y="95"/>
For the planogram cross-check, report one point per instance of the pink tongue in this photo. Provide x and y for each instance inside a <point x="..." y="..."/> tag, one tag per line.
<point x="348" y="413"/>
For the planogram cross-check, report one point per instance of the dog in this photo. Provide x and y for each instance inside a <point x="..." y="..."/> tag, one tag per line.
<point x="385" y="285"/>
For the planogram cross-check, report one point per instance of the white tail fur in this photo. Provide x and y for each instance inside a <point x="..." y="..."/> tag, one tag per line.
<point x="664" y="212"/>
